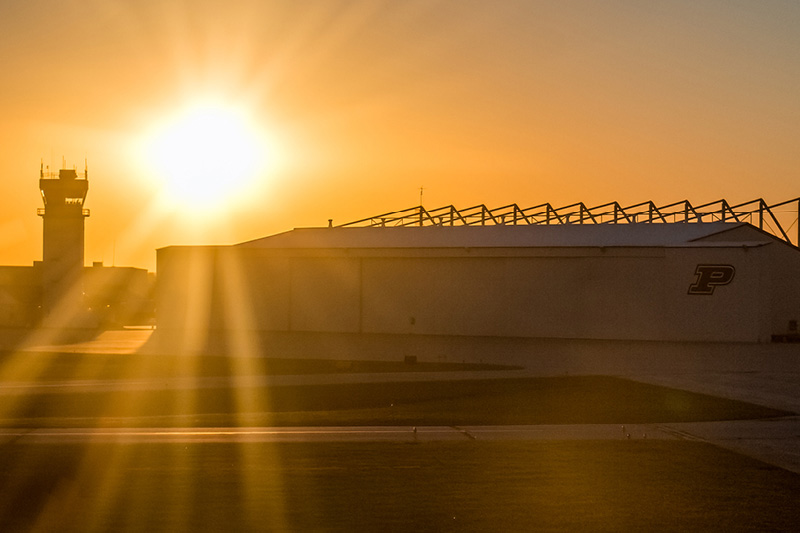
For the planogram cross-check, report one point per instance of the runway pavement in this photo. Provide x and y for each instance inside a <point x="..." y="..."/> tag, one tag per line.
<point x="340" y="434"/>
<point x="115" y="341"/>
<point x="767" y="375"/>
<point x="772" y="440"/>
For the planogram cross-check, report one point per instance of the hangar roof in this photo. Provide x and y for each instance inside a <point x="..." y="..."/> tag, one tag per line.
<point x="575" y="235"/>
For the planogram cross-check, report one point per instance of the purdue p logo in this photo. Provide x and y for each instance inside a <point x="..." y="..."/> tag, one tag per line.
<point x="710" y="277"/>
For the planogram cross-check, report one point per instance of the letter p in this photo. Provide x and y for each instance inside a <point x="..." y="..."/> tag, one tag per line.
<point x="710" y="277"/>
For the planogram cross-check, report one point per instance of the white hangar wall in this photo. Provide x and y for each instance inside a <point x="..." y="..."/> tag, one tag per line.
<point x="781" y="281"/>
<point x="550" y="296"/>
<point x="209" y="294"/>
<point x="734" y="312"/>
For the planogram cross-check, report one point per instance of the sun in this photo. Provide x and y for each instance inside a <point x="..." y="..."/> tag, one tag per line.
<point x="206" y="157"/>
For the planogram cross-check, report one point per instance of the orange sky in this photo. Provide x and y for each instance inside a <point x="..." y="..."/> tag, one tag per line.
<point x="479" y="102"/>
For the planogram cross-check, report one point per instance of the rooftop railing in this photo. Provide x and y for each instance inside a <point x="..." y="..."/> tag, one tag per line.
<point x="777" y="219"/>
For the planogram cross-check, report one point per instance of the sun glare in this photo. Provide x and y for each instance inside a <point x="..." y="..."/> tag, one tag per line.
<point x="206" y="157"/>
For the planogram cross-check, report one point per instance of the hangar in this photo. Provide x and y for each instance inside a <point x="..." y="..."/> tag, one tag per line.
<point x="400" y="283"/>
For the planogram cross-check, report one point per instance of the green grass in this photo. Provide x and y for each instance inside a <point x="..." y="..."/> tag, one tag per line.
<point x="439" y="486"/>
<point x="555" y="400"/>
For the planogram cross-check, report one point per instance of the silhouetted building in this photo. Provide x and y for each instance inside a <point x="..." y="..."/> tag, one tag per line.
<point x="384" y="291"/>
<point x="59" y="291"/>
<point x="20" y="295"/>
<point x="118" y="296"/>
<point x="63" y="218"/>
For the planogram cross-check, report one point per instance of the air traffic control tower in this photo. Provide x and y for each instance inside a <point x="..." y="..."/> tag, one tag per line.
<point x="63" y="215"/>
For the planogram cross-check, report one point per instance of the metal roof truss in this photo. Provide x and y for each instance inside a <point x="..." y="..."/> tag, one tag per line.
<point x="777" y="219"/>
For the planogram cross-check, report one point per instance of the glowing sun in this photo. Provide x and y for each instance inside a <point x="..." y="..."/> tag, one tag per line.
<point x="206" y="156"/>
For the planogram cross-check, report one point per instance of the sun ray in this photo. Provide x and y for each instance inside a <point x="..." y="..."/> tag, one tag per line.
<point x="243" y="348"/>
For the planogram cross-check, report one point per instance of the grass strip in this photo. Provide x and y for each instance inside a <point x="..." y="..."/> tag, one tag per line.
<point x="441" y="486"/>
<point x="55" y="366"/>
<point x="552" y="400"/>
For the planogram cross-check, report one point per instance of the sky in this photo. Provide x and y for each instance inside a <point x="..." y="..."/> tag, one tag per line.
<point x="355" y="105"/>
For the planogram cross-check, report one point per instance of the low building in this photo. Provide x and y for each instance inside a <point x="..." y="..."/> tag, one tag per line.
<point x="118" y="296"/>
<point x="20" y="296"/>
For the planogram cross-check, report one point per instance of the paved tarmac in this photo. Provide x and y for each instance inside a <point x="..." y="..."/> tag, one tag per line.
<point x="767" y="375"/>
<point x="340" y="434"/>
<point x="115" y="341"/>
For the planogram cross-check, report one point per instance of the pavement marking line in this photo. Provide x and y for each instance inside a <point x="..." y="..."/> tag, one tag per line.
<point x="266" y="434"/>
<point x="39" y="433"/>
